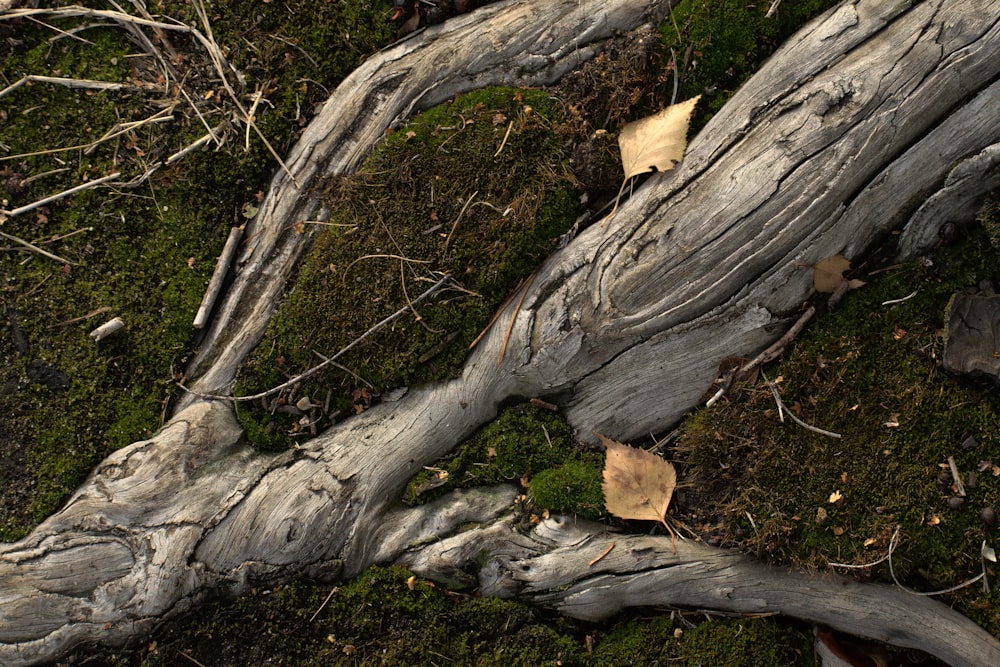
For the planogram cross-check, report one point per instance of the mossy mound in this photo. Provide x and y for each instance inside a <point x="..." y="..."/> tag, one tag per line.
<point x="869" y="371"/>
<point x="477" y="188"/>
<point x="526" y="444"/>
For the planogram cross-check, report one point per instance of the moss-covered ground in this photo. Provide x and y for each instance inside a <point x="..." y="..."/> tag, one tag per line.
<point x="870" y="372"/>
<point x="480" y="188"/>
<point x="387" y="617"/>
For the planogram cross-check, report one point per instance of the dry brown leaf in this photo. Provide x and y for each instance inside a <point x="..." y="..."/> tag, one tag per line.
<point x="658" y="141"/>
<point x="637" y="484"/>
<point x="828" y="274"/>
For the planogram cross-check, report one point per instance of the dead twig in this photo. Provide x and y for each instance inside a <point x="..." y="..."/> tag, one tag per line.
<point x="513" y="317"/>
<point x="83" y="84"/>
<point x="218" y="277"/>
<point x="603" y="554"/>
<point x="771" y="353"/>
<point x="36" y="249"/>
<point x="506" y="136"/>
<point x="343" y="276"/>
<point x="454" y="225"/>
<point x="891" y="302"/>
<point x="783" y="408"/>
<point x="82" y="318"/>
<point x="58" y="196"/>
<point x="198" y="143"/>
<point x="325" y="602"/>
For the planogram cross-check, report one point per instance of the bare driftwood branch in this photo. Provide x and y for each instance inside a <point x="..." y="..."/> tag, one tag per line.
<point x="874" y="118"/>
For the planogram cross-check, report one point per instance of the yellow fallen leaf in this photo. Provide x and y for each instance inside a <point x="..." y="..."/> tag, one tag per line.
<point x="658" y="141"/>
<point x="637" y="484"/>
<point x="828" y="274"/>
<point x="834" y="497"/>
<point x="654" y="143"/>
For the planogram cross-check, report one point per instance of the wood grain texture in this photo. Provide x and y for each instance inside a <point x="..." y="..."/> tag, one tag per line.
<point x="871" y="119"/>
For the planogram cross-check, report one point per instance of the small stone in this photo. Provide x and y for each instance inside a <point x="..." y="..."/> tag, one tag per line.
<point x="948" y="233"/>
<point x="969" y="443"/>
<point x="944" y="479"/>
<point x="988" y="517"/>
<point x="955" y="502"/>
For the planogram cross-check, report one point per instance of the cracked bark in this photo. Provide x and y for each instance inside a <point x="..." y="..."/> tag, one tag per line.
<point x="874" y="119"/>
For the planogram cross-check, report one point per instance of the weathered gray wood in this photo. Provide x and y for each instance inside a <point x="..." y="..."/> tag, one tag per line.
<point x="870" y="115"/>
<point x="519" y="43"/>
<point x="560" y="565"/>
<point x="972" y="333"/>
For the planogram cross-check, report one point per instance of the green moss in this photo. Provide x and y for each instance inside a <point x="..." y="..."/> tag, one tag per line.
<point x="989" y="218"/>
<point x="382" y="617"/>
<point x="523" y="441"/>
<point x="870" y="372"/>
<point x="717" y="642"/>
<point x="477" y="188"/>
<point x="385" y="616"/>
<point x="572" y="488"/>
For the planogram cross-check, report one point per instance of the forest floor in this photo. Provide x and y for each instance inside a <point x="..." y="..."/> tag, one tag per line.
<point x="142" y="245"/>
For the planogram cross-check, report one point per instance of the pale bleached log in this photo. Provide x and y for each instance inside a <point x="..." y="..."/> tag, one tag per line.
<point x="818" y="154"/>
<point x="582" y="571"/>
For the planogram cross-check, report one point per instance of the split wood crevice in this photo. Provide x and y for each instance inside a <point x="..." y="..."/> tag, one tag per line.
<point x="872" y="119"/>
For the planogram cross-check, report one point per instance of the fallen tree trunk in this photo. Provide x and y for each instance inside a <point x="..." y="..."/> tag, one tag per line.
<point x="871" y="120"/>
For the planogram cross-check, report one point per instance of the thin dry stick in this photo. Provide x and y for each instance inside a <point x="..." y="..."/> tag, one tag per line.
<point x="161" y="116"/>
<point x="315" y="369"/>
<point x="513" y="317"/>
<point x="82" y="318"/>
<point x="895" y="301"/>
<point x="82" y="230"/>
<point x="783" y="408"/>
<point x="63" y="33"/>
<point x="503" y="143"/>
<point x="339" y="367"/>
<point x="218" y="277"/>
<point x="774" y="8"/>
<point x="182" y="653"/>
<point x="86" y="84"/>
<point x="35" y="248"/>
<point x="323" y="606"/>
<point x="257" y="96"/>
<point x="893" y="543"/>
<point x="764" y="357"/>
<point x="60" y="195"/>
<point x="419" y="318"/>
<point x="496" y="315"/>
<point x="454" y="225"/>
<point x="195" y="145"/>
<point x="201" y="117"/>
<point x="343" y="277"/>
<point x="37" y="177"/>
<point x="603" y="554"/>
